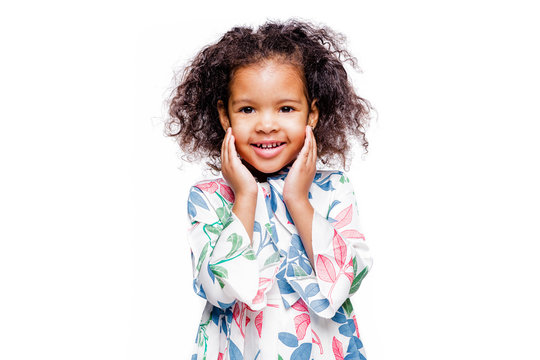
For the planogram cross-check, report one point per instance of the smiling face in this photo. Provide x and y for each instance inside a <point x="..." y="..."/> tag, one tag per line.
<point x="268" y="112"/>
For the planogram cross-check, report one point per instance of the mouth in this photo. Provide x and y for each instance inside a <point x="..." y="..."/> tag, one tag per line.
<point x="268" y="149"/>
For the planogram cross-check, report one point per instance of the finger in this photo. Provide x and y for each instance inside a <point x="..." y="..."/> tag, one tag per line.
<point x="224" y="149"/>
<point x="232" y="149"/>
<point x="314" y="146"/>
<point x="310" y="148"/>
<point x="307" y="148"/>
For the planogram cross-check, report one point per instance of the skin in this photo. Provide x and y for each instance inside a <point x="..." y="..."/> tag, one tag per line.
<point x="260" y="107"/>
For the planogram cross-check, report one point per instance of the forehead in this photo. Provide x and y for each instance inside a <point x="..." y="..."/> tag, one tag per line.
<point x="268" y="77"/>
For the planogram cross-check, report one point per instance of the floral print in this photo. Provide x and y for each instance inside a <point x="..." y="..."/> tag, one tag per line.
<point x="264" y="299"/>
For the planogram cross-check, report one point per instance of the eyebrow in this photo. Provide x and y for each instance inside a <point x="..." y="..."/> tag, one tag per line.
<point x="280" y="101"/>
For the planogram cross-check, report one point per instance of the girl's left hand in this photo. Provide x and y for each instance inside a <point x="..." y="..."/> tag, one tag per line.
<point x="302" y="172"/>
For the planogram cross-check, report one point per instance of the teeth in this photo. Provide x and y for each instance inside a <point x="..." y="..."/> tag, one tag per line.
<point x="268" y="146"/>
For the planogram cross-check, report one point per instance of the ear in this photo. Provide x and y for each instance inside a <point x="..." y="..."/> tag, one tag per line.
<point x="223" y="117"/>
<point x="313" y="116"/>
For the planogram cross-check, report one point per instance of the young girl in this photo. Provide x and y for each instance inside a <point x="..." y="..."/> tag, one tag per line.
<point x="275" y="243"/>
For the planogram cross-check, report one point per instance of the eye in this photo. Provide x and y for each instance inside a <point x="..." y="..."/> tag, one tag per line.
<point x="287" y="109"/>
<point x="246" y="110"/>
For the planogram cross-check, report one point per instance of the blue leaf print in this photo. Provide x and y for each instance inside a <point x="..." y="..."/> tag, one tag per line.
<point x="334" y="203"/>
<point x="224" y="326"/>
<point x="339" y="318"/>
<point x="194" y="357"/>
<point x="288" y="339"/>
<point x="348" y="328"/>
<point x="234" y="352"/>
<point x="312" y="289"/>
<point x="354" y="344"/>
<point x="309" y="195"/>
<point x="303" y="352"/>
<point x="273" y="202"/>
<point x="225" y="305"/>
<point x="200" y="290"/>
<point x="293" y="252"/>
<point x="196" y="198"/>
<point x="353" y="356"/>
<point x="319" y="305"/>
<point x="284" y="287"/>
<point x="211" y="273"/>
<point x="191" y="209"/>
<point x="298" y="288"/>
<point x="305" y="264"/>
<point x="215" y="314"/>
<point x="256" y="227"/>
<point x="290" y="270"/>
<point x="296" y="242"/>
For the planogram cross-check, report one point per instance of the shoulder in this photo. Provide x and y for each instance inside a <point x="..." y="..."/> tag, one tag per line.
<point x="214" y="187"/>
<point x="209" y="195"/>
<point x="329" y="180"/>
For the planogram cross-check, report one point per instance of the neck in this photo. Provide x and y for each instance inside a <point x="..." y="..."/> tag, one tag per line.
<point x="258" y="175"/>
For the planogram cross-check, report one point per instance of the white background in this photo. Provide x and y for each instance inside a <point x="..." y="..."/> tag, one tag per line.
<point x="94" y="262"/>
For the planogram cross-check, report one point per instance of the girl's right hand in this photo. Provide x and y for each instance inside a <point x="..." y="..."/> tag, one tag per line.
<point x="235" y="173"/>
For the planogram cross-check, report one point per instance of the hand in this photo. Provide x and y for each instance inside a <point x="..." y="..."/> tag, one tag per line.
<point x="237" y="175"/>
<point x="302" y="172"/>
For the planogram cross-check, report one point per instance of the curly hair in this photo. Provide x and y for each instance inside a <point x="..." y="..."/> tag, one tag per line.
<point x="318" y="51"/>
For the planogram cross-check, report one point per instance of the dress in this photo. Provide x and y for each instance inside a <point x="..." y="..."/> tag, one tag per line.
<point x="264" y="300"/>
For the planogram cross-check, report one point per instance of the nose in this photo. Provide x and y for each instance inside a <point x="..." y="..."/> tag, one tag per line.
<point x="267" y="122"/>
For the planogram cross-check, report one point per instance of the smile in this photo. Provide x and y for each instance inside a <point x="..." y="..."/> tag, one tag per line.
<point x="268" y="150"/>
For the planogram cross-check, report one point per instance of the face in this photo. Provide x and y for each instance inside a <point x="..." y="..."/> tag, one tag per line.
<point x="268" y="112"/>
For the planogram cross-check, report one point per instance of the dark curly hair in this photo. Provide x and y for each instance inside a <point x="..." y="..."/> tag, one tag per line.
<point x="318" y="51"/>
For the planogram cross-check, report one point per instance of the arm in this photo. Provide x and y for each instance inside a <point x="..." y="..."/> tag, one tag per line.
<point x="338" y="249"/>
<point x="224" y="264"/>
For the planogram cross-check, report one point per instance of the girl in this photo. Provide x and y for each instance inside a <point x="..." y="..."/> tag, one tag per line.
<point x="275" y="243"/>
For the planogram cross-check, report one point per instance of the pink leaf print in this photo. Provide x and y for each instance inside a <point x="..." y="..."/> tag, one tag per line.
<point x="301" y="323"/>
<point x="247" y="320"/>
<point x="343" y="218"/>
<point x="350" y="271"/>
<point x="316" y="340"/>
<point x="210" y="187"/>
<point x="226" y="191"/>
<point x="263" y="285"/>
<point x="352" y="234"/>
<point x="350" y="276"/>
<point x="220" y="356"/>
<point x="356" y="326"/>
<point x="236" y="313"/>
<point x="300" y="305"/>
<point x="325" y="269"/>
<point x="340" y="249"/>
<point x="337" y="348"/>
<point x="259" y="322"/>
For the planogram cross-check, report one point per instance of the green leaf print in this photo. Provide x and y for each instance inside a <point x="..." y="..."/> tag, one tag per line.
<point x="250" y="255"/>
<point x="203" y="256"/>
<point x="298" y="271"/>
<point x="357" y="280"/>
<point x="347" y="306"/>
<point x="219" y="271"/>
<point x="279" y="357"/>
<point x="223" y="215"/>
<point x="272" y="259"/>
<point x="221" y="283"/>
<point x="236" y="243"/>
<point x="268" y="228"/>
<point x="212" y="229"/>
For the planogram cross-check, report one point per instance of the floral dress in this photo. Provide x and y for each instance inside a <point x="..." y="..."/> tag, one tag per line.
<point x="264" y="300"/>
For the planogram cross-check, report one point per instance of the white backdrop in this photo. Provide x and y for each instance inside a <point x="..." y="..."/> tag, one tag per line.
<point x="94" y="263"/>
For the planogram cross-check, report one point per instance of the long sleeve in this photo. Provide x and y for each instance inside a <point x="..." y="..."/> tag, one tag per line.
<point x="224" y="263"/>
<point x="342" y="258"/>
